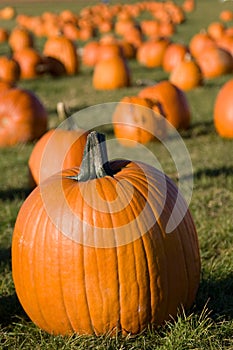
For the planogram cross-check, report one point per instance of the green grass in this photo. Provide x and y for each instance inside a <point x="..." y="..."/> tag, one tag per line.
<point x="209" y="325"/>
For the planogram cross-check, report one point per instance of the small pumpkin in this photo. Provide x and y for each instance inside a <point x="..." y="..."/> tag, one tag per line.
<point x="187" y="75"/>
<point x="223" y="110"/>
<point x="63" y="50"/>
<point x="106" y="264"/>
<point x="150" y="54"/>
<point x="23" y="117"/>
<point x="139" y="120"/>
<point x="68" y="144"/>
<point x="20" y="38"/>
<point x="215" y="62"/>
<point x="4" y="35"/>
<point x="29" y="60"/>
<point x="112" y="73"/>
<point x="173" y="101"/>
<point x="9" y="70"/>
<point x="174" y="54"/>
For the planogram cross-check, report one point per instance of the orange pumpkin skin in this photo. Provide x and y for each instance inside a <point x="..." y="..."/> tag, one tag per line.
<point x="64" y="50"/>
<point x="110" y="74"/>
<point x="151" y="52"/>
<point x="9" y="70"/>
<point x="186" y="75"/>
<point x="20" y="38"/>
<point x="23" y="117"/>
<point x="174" y="54"/>
<point x="223" y="110"/>
<point x="215" y="62"/>
<point x="29" y="59"/>
<point x="68" y="145"/>
<point x="66" y="285"/>
<point x="134" y="119"/>
<point x="173" y="102"/>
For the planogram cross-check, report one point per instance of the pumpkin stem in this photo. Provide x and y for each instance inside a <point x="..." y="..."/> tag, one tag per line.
<point x="64" y="113"/>
<point x="95" y="162"/>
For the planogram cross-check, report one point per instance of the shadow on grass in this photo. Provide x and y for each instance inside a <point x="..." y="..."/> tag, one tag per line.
<point x="216" y="294"/>
<point x="14" y="193"/>
<point x="215" y="172"/>
<point x="199" y="129"/>
<point x="10" y="310"/>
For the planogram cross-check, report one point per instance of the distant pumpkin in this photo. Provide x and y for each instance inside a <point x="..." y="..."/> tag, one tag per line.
<point x="112" y="73"/>
<point x="223" y="110"/>
<point x="138" y="120"/>
<point x="173" y="101"/>
<point x="23" y="117"/>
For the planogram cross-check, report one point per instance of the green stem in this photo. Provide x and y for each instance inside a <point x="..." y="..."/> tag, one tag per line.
<point x="95" y="162"/>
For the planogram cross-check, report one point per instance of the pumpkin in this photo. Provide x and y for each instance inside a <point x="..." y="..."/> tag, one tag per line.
<point x="200" y="42"/>
<point x="23" y="117"/>
<point x="67" y="142"/>
<point x="226" y="15"/>
<point x="90" y="250"/>
<point x="173" y="101"/>
<point x="9" y="70"/>
<point x="7" y="13"/>
<point x="111" y="73"/>
<point x="4" y="35"/>
<point x="63" y="50"/>
<point x="29" y="60"/>
<point x="187" y="75"/>
<point x="150" y="54"/>
<point x="20" y="38"/>
<point x="5" y="86"/>
<point x="173" y="55"/>
<point x="215" y="62"/>
<point x="90" y="53"/>
<point x="223" y="110"/>
<point x="139" y="120"/>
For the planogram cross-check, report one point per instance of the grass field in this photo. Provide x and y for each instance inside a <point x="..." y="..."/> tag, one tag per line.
<point x="209" y="325"/>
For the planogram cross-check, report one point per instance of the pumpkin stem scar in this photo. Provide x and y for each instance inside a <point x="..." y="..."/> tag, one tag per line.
<point x="95" y="162"/>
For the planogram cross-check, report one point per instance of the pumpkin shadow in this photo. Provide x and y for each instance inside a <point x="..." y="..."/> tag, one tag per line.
<point x="11" y="310"/>
<point x="198" y="129"/>
<point x="14" y="193"/>
<point x="216" y="294"/>
<point x="224" y="170"/>
<point x="10" y="307"/>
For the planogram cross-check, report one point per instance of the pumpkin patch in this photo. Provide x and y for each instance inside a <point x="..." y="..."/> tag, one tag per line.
<point x="122" y="241"/>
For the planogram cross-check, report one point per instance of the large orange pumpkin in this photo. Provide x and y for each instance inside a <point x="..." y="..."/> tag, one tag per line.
<point x="223" y="110"/>
<point x="90" y="252"/>
<point x="173" y="100"/>
<point x="23" y="117"/>
<point x="139" y="120"/>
